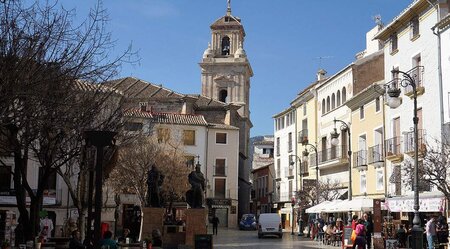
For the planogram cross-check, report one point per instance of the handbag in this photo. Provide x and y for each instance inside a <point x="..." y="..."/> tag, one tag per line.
<point x="353" y="237"/>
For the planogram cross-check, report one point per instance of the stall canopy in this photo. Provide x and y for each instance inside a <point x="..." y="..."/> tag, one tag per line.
<point x="356" y="204"/>
<point x="428" y="203"/>
<point x="323" y="207"/>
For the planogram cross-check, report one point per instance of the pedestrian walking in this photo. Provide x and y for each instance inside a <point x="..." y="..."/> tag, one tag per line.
<point x="369" y="229"/>
<point x="75" y="241"/>
<point x="442" y="232"/>
<point x="360" y="235"/>
<point x="430" y="229"/>
<point x="215" y="221"/>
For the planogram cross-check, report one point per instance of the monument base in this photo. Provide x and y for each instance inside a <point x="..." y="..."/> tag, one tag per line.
<point x="195" y="224"/>
<point x="153" y="219"/>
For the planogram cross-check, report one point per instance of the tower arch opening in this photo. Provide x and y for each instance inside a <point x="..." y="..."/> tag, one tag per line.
<point x="226" y="45"/>
<point x="223" y="95"/>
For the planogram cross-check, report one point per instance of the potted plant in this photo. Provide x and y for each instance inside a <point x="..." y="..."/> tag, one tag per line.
<point x="6" y="245"/>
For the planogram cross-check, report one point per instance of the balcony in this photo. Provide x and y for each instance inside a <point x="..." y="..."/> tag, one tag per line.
<point x="417" y="74"/>
<point x="220" y="170"/>
<point x="332" y="154"/>
<point x="360" y="160"/>
<point x="393" y="152"/>
<point x="376" y="156"/>
<point x="302" y="136"/>
<point x="410" y="145"/>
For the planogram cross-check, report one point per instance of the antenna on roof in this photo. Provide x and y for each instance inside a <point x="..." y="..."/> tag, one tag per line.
<point x="320" y="58"/>
<point x="228" y="7"/>
<point x="377" y="19"/>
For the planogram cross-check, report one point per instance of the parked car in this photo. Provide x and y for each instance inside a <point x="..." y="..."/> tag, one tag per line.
<point x="269" y="224"/>
<point x="248" y="221"/>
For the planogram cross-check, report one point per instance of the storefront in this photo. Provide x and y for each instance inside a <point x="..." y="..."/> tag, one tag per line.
<point x="220" y="208"/>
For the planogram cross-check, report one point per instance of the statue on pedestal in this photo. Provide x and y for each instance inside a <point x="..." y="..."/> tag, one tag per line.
<point x="154" y="181"/>
<point x="194" y="196"/>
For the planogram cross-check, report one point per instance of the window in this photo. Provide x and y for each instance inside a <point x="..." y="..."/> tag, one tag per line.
<point x="377" y="104"/>
<point x="219" y="188"/>
<point x="51" y="180"/>
<point x="338" y="97"/>
<point x="5" y="178"/>
<point x="328" y="103"/>
<point x="291" y="193"/>
<point x="394" y="43"/>
<point x="278" y="146"/>
<point x="163" y="135"/>
<point x="323" y="106"/>
<point x="220" y="168"/>
<point x="380" y="180"/>
<point x="223" y="94"/>
<point x="344" y="95"/>
<point x="226" y="45"/>
<point x="361" y="112"/>
<point x="189" y="137"/>
<point x="133" y="126"/>
<point x="414" y="27"/>
<point x="278" y="168"/>
<point x="289" y="141"/>
<point x="333" y="102"/>
<point x="221" y="138"/>
<point x="304" y="109"/>
<point x="143" y="106"/>
<point x="363" y="187"/>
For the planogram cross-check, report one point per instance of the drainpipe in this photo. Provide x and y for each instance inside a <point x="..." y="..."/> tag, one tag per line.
<point x="438" y="34"/>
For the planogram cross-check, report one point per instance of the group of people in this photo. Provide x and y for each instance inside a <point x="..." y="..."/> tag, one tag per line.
<point x="362" y="231"/>
<point x="333" y="231"/>
<point x="436" y="230"/>
<point x="108" y="242"/>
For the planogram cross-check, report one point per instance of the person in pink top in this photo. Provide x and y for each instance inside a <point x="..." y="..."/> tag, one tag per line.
<point x="360" y="235"/>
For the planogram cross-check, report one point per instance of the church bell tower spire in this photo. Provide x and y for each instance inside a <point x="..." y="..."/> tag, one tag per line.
<point x="228" y="7"/>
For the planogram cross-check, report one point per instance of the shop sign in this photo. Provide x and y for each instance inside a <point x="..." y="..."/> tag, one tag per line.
<point x="218" y="202"/>
<point x="407" y="205"/>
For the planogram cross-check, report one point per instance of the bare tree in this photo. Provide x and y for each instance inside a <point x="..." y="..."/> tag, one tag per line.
<point x="434" y="161"/>
<point x="328" y="190"/>
<point x="135" y="160"/>
<point x="49" y="68"/>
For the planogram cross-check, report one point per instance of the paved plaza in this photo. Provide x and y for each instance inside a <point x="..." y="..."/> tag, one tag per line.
<point x="234" y="238"/>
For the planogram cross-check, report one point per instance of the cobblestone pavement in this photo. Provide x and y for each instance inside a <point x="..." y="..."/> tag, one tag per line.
<point x="234" y="238"/>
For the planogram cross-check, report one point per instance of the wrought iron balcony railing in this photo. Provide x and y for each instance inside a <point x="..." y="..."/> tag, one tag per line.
<point x="360" y="158"/>
<point x="409" y="141"/>
<point x="392" y="146"/>
<point x="333" y="153"/>
<point x="302" y="136"/>
<point x="220" y="170"/>
<point x="375" y="154"/>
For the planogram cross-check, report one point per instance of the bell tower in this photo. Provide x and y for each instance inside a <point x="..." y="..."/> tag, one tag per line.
<point x="225" y="68"/>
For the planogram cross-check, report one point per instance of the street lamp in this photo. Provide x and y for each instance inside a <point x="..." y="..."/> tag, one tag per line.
<point x="291" y="165"/>
<point x="305" y="159"/>
<point x="394" y="101"/>
<point x="335" y="141"/>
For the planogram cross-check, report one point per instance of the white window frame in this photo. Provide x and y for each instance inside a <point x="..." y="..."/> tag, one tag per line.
<point x="226" y="138"/>
<point x="379" y="175"/>
<point x="363" y="187"/>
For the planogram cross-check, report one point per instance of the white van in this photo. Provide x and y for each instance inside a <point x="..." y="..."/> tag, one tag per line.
<point x="269" y="224"/>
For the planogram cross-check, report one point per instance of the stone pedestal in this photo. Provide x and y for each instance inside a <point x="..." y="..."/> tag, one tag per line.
<point x="153" y="219"/>
<point x="195" y="224"/>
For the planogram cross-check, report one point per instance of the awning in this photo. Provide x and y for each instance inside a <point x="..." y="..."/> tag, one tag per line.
<point x="323" y="207"/>
<point x="356" y="204"/>
<point x="431" y="202"/>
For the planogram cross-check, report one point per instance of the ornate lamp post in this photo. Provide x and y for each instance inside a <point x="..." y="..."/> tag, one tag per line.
<point x="291" y="163"/>
<point x="335" y="141"/>
<point x="394" y="101"/>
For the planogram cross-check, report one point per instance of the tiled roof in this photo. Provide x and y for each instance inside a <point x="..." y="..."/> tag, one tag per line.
<point x="137" y="88"/>
<point x="263" y="142"/>
<point x="137" y="114"/>
<point x="223" y="126"/>
<point x="86" y="86"/>
<point x="204" y="101"/>
<point x="175" y="118"/>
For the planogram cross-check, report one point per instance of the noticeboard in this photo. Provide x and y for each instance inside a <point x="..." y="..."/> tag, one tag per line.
<point x="346" y="237"/>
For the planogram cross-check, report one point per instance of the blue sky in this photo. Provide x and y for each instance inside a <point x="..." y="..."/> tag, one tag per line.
<point x="284" y="41"/>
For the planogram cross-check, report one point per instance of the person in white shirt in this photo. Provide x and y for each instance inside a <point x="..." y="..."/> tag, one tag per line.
<point x="430" y="229"/>
<point x="46" y="226"/>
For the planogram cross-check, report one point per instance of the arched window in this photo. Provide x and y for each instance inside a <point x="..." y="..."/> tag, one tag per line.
<point x="323" y="106"/>
<point x="333" y="101"/>
<point x="338" y="98"/>
<point x="226" y="45"/>
<point x="344" y="95"/>
<point x="328" y="103"/>
<point x="223" y="94"/>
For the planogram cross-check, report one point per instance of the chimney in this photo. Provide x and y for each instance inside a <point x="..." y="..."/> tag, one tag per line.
<point x="321" y="74"/>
